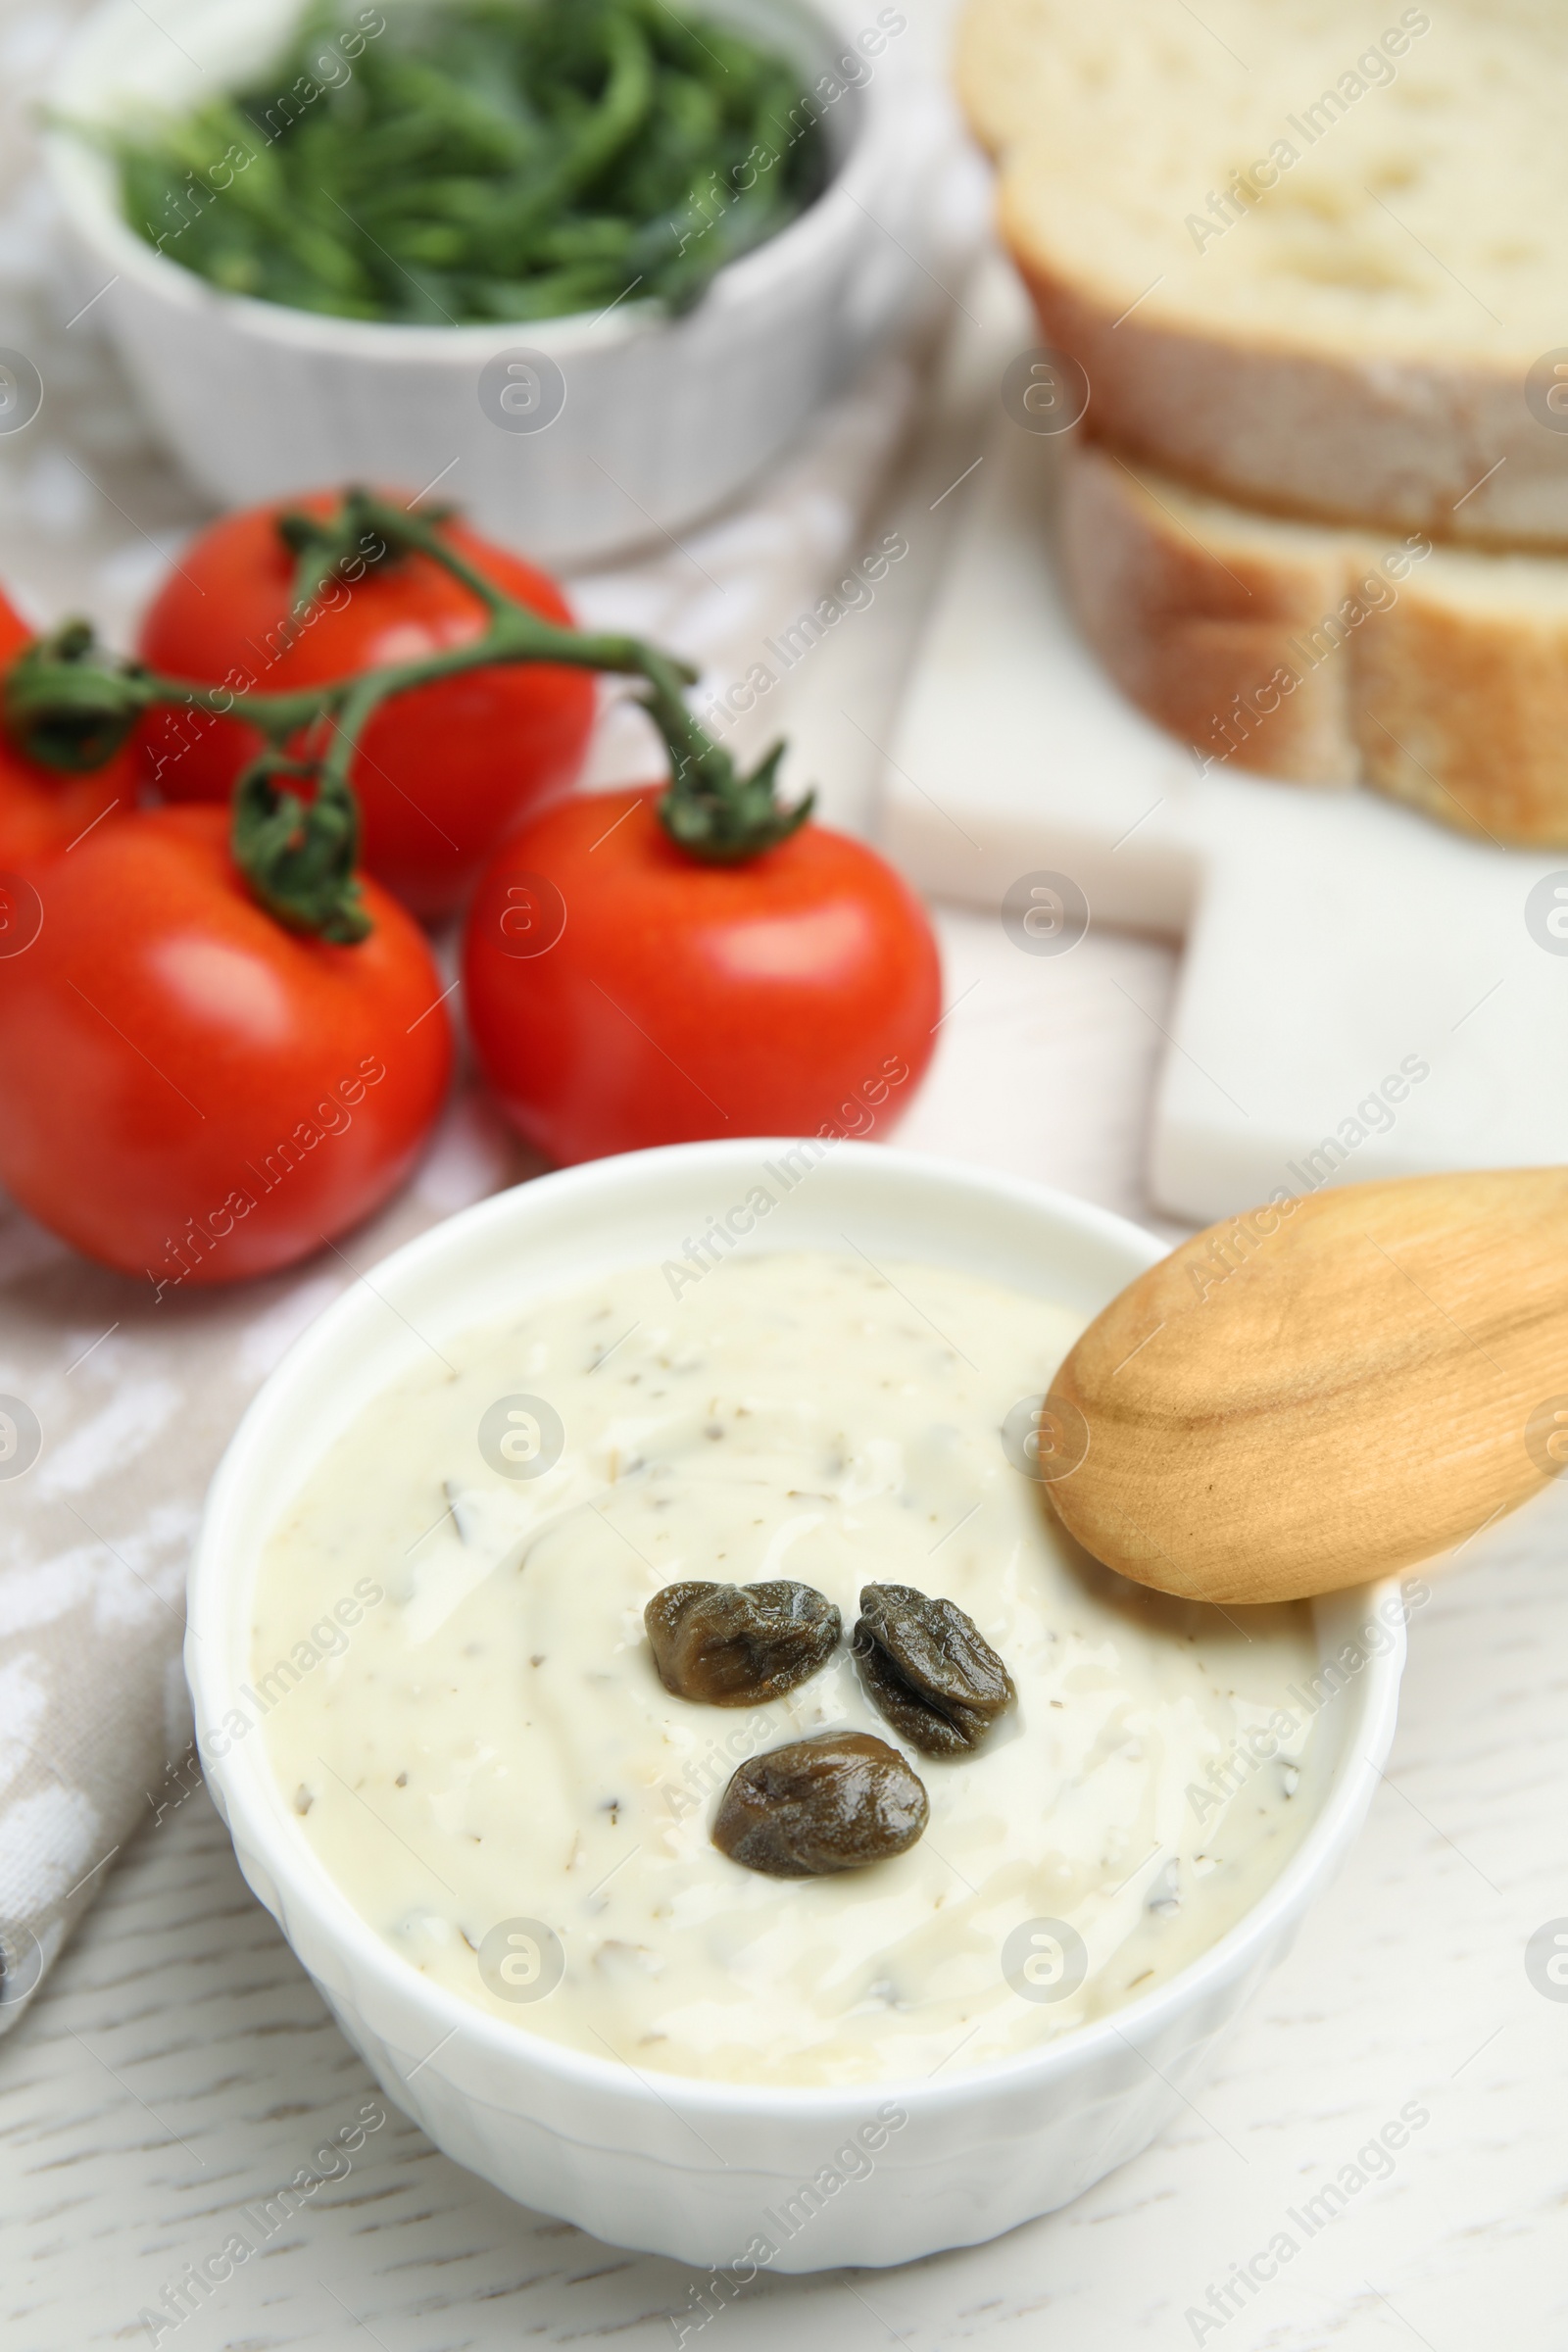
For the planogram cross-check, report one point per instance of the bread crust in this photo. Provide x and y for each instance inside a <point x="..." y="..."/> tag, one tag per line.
<point x="1188" y="635"/>
<point x="1464" y="714"/>
<point x="1441" y="682"/>
<point x="1450" y="449"/>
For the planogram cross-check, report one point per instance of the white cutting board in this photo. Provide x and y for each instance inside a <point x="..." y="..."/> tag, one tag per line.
<point x="1331" y="935"/>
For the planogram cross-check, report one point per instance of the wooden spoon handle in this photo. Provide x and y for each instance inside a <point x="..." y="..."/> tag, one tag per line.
<point x="1323" y="1391"/>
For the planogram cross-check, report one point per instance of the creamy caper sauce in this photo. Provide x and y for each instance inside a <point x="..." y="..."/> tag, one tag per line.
<point x="487" y="1741"/>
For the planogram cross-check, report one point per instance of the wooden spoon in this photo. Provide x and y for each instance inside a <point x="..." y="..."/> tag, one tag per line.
<point x="1323" y="1391"/>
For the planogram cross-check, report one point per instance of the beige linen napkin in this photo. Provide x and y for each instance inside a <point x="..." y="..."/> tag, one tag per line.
<point x="136" y="1401"/>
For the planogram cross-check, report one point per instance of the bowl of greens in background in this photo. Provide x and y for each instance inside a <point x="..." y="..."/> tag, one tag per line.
<point x="591" y="262"/>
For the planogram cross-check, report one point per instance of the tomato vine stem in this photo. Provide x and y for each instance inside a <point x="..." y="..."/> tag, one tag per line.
<point x="71" y="706"/>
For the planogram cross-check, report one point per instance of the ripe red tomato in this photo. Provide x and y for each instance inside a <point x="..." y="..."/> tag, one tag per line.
<point x="621" y="993"/>
<point x="440" y="773"/>
<point x="188" y="1089"/>
<point x="41" y="809"/>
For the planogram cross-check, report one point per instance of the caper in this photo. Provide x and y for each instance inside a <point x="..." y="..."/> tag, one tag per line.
<point x="928" y="1668"/>
<point x="733" y="1645"/>
<point x="834" y="1803"/>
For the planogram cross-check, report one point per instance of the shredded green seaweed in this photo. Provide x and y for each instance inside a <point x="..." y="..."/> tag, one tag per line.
<point x="484" y="160"/>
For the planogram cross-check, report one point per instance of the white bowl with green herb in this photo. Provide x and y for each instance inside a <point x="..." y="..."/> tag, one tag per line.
<point x="591" y="262"/>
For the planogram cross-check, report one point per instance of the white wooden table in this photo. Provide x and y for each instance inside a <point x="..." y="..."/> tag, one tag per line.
<point x="177" y="2065"/>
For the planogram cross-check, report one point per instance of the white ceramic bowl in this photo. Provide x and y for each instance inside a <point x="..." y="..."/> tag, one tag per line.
<point x="664" y="420"/>
<point x="678" y="2166"/>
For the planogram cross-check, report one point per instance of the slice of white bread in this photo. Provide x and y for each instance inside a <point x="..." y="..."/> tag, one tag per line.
<point x="1313" y="253"/>
<point x="1440" y="674"/>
